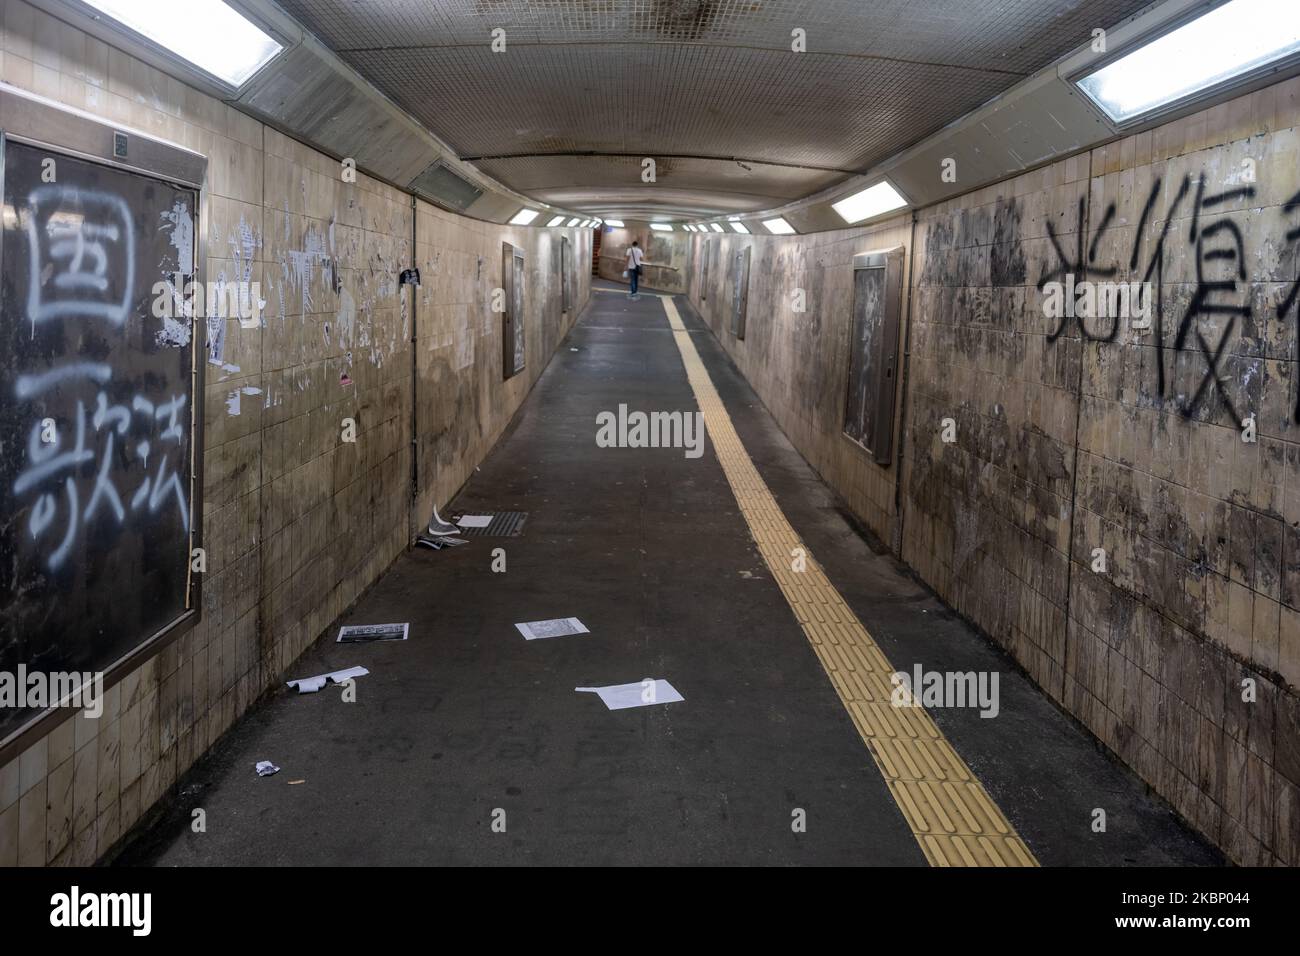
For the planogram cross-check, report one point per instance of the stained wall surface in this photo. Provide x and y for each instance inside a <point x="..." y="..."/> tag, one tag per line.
<point x="664" y="266"/>
<point x="1097" y="512"/>
<point x="796" y="342"/>
<point x="297" y="520"/>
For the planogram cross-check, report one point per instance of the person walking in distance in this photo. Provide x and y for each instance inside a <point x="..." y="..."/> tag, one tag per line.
<point x="634" y="257"/>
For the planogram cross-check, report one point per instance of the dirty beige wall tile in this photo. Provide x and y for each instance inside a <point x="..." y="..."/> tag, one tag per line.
<point x="796" y="361"/>
<point x="297" y="522"/>
<point x="464" y="401"/>
<point x="1076" y="435"/>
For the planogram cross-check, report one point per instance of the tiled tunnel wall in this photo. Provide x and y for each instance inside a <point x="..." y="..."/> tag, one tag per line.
<point x="297" y="523"/>
<point x="1077" y="435"/>
<point x="463" y="403"/>
<point x="664" y="266"/>
<point x="796" y="359"/>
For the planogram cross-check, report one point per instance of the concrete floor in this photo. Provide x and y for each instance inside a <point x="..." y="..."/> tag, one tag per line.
<point x="649" y="550"/>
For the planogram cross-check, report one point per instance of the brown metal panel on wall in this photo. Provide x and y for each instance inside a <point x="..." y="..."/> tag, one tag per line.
<point x="704" y="279"/>
<point x="512" y="316"/>
<point x="566" y="275"/>
<point x="873" y="351"/>
<point x="740" y="293"/>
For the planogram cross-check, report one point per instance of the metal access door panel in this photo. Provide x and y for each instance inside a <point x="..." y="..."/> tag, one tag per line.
<point x="740" y="294"/>
<point x="512" y="318"/>
<point x="873" y="352"/>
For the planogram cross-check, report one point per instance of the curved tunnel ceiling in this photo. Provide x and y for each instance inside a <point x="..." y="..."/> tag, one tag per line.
<point x="735" y="121"/>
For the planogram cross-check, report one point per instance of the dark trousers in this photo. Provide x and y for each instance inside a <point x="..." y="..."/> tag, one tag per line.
<point x="634" y="274"/>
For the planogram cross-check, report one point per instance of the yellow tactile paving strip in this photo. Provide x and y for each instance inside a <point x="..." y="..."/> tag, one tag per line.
<point x="950" y="813"/>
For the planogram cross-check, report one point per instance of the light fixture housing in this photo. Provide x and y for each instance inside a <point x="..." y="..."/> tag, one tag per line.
<point x="207" y="35"/>
<point x="778" y="227"/>
<point x="715" y="226"/>
<point x="524" y="216"/>
<point x="616" y="223"/>
<point x="556" y="221"/>
<point x="574" y="221"/>
<point x="1230" y="45"/>
<point x="740" y="228"/>
<point x="661" y="227"/>
<point x="871" y="202"/>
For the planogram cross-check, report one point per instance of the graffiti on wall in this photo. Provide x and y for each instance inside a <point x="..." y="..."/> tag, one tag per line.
<point x="96" y="416"/>
<point x="1210" y="311"/>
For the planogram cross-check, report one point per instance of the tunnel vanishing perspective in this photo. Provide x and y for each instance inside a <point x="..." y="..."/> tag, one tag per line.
<point x="651" y="432"/>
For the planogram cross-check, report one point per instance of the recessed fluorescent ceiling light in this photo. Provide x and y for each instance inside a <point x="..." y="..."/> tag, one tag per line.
<point x="778" y="226"/>
<point x="556" y="221"/>
<point x="574" y="221"/>
<point x="878" y="199"/>
<point x="1236" y="38"/>
<point x="206" y="33"/>
<point x="740" y="228"/>
<point x="661" y="227"/>
<point x="524" y="216"/>
<point x="716" y="227"/>
<point x="616" y="223"/>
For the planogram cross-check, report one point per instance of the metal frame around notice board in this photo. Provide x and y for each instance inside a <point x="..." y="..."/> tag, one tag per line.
<point x="35" y="121"/>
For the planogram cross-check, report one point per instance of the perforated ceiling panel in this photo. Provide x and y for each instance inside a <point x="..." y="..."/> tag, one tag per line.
<point x="714" y="81"/>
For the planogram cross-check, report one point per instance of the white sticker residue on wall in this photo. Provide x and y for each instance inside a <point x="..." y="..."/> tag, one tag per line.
<point x="181" y="224"/>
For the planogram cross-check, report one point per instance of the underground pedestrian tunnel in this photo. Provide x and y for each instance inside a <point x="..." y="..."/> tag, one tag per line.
<point x="933" y="502"/>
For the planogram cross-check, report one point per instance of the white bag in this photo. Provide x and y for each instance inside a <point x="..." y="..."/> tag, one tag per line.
<point x="624" y="273"/>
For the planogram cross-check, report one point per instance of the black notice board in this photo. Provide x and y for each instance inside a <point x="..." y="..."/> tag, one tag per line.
<point x="96" y="413"/>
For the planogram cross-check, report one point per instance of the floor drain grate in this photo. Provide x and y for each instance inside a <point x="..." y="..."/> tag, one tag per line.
<point x="504" y="524"/>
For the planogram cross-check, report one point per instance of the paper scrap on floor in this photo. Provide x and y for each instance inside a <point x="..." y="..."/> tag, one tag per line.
<point x="358" y="633"/>
<point x="438" y="542"/>
<point x="560" y="627"/>
<point x="309" y="685"/>
<point x="474" y="521"/>
<point x="265" y="768"/>
<point x="643" y="693"/>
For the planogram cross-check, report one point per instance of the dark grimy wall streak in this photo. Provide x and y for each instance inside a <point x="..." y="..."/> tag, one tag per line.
<point x="1077" y="431"/>
<point x="1099" y="514"/>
